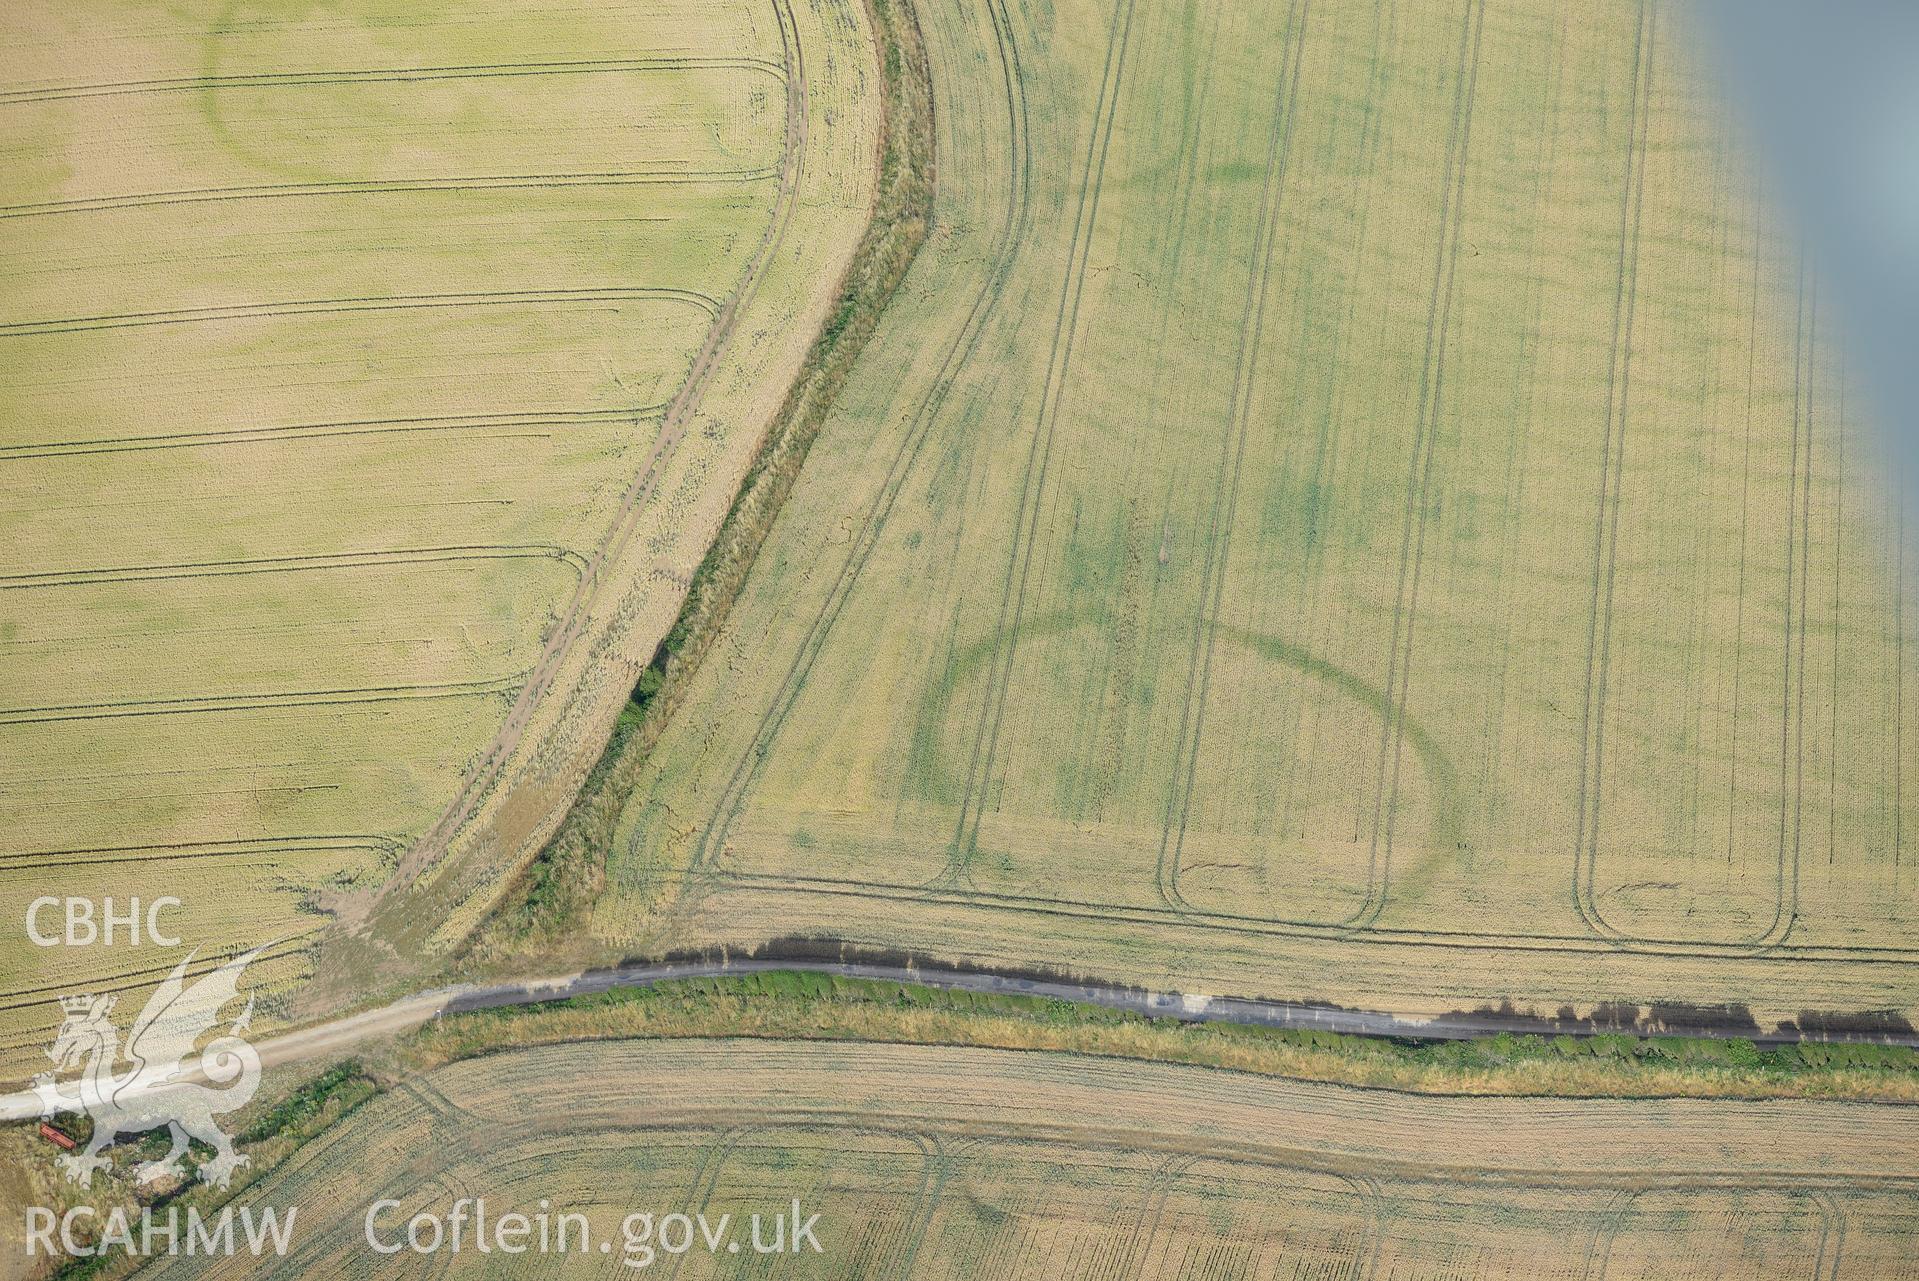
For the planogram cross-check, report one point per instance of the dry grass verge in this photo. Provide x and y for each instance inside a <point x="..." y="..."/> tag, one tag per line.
<point x="789" y="1005"/>
<point x="537" y="916"/>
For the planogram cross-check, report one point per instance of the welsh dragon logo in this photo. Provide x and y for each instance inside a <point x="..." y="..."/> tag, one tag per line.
<point x="152" y="1093"/>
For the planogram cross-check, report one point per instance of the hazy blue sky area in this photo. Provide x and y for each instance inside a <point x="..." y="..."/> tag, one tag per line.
<point x="1830" y="89"/>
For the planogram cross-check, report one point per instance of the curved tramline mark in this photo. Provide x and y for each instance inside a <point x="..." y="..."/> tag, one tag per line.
<point x="392" y="75"/>
<point x="728" y="1139"/>
<point x="1832" y="1234"/>
<point x="1605" y="1227"/>
<point x="268" y="701"/>
<point x="1606" y="522"/>
<point x="1373" y="1244"/>
<point x="1832" y="1216"/>
<point x="1360" y="1173"/>
<point x="394" y="186"/>
<point x="936" y="1167"/>
<point x="713" y="1157"/>
<point x="1605" y="566"/>
<point x="516" y="423"/>
<point x="1131" y="1253"/>
<point x="430" y="1098"/>
<point x="293" y="564"/>
<point x="329" y="306"/>
<point x="1241" y="925"/>
<point x="1419" y="480"/>
<point x="1008" y="243"/>
<point x="571" y="625"/>
<point x="1199" y="664"/>
<point x="1033" y="480"/>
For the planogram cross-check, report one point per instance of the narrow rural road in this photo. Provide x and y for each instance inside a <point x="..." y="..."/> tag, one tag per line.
<point x="342" y="1035"/>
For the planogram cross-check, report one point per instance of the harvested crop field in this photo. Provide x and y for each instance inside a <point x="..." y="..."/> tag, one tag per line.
<point x="925" y="1162"/>
<point x="1410" y="553"/>
<point x="374" y="379"/>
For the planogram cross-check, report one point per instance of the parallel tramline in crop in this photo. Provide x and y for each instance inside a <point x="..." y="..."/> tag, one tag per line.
<point x="1410" y="553"/>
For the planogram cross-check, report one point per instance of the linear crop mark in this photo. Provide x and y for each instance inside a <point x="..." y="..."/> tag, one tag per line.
<point x="289" y="564"/>
<point x="1797" y="549"/>
<point x="270" y="700"/>
<point x="1252" y="323"/>
<point x="126" y="980"/>
<point x="1745" y="525"/>
<point x="326" y="306"/>
<point x="1009" y="240"/>
<point x="538" y="419"/>
<point x="1245" y="926"/>
<point x="573" y="618"/>
<point x="397" y="75"/>
<point x="392" y="186"/>
<point x="275" y="847"/>
<point x="1606" y="520"/>
<point x="1419" y="474"/>
<point x="1033" y="481"/>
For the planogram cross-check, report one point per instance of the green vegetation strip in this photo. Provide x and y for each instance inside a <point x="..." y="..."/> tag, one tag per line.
<point x="795" y="1005"/>
<point x="268" y="1138"/>
<point x="569" y="873"/>
<point x="791" y="1005"/>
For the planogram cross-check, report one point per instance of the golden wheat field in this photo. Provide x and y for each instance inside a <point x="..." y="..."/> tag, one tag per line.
<point x="373" y="376"/>
<point x="1357" y="501"/>
<point x="927" y="1162"/>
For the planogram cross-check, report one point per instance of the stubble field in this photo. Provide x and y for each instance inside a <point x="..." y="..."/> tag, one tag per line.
<point x="945" y="1162"/>
<point x="1410" y="551"/>
<point x="374" y="380"/>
